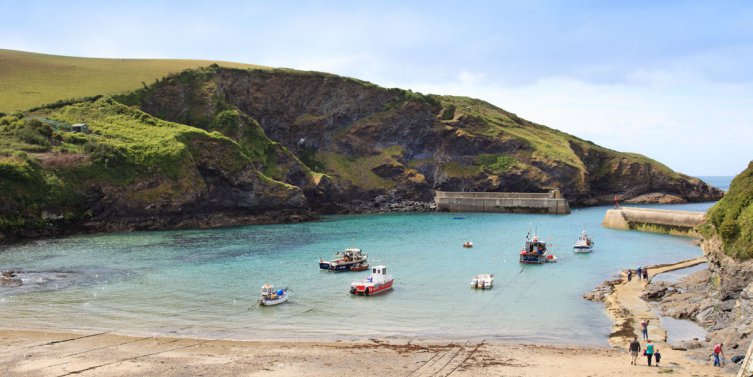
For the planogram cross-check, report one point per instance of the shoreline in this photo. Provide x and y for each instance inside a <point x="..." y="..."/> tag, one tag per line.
<point x="38" y="353"/>
<point x="63" y="353"/>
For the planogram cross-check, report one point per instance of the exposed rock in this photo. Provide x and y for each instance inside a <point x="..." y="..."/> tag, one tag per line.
<point x="655" y="292"/>
<point x="657" y="197"/>
<point x="601" y="291"/>
<point x="9" y="282"/>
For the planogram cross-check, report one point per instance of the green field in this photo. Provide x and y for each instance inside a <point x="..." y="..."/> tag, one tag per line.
<point x="29" y="79"/>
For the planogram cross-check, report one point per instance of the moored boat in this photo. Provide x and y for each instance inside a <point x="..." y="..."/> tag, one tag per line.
<point x="377" y="282"/>
<point x="535" y="252"/>
<point x="468" y="244"/>
<point x="271" y="296"/>
<point x="351" y="259"/>
<point x="483" y="281"/>
<point x="584" y="244"/>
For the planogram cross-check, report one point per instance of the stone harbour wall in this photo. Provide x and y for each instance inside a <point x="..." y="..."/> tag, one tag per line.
<point x="513" y="202"/>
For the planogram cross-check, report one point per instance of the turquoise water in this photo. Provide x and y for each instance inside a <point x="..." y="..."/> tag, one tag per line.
<point x="201" y="283"/>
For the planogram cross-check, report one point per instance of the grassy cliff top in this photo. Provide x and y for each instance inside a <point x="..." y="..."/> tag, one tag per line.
<point x="732" y="217"/>
<point x="29" y="79"/>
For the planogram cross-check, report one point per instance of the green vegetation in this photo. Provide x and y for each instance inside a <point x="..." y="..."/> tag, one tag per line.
<point x="732" y="217"/>
<point x="359" y="170"/>
<point x="30" y="79"/>
<point x="493" y="164"/>
<point x="448" y="113"/>
<point x="48" y="169"/>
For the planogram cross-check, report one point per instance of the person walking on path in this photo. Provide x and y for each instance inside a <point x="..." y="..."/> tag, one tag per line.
<point x="649" y="351"/>
<point x="635" y="348"/>
<point x="718" y="355"/>
<point x="644" y="328"/>
<point x="657" y="356"/>
<point x="630" y="275"/>
<point x="638" y="272"/>
<point x="645" y="274"/>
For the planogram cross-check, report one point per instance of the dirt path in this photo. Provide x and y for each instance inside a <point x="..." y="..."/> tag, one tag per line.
<point x="627" y="310"/>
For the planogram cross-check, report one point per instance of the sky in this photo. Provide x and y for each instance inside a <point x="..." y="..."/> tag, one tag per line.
<point x="668" y="79"/>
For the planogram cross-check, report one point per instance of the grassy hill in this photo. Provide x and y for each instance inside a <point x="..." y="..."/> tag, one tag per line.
<point x="29" y="79"/>
<point x="216" y="146"/>
<point x="732" y="217"/>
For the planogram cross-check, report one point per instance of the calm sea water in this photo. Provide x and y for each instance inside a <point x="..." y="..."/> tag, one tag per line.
<point x="201" y="283"/>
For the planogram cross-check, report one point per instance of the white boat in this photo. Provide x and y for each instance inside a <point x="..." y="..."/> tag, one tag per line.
<point x="271" y="296"/>
<point x="483" y="281"/>
<point x="468" y="244"/>
<point x="584" y="244"/>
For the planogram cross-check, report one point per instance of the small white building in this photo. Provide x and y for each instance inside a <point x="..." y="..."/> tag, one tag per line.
<point x="80" y="127"/>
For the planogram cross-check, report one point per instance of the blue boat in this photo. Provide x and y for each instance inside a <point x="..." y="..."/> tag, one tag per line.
<point x="351" y="259"/>
<point x="535" y="252"/>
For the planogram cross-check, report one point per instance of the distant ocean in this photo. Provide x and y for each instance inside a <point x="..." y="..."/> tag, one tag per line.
<point x="204" y="283"/>
<point x="719" y="181"/>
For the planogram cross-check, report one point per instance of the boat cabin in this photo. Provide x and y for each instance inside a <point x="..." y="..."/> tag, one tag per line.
<point x="379" y="270"/>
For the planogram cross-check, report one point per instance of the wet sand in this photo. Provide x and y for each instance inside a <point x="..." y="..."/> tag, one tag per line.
<point x="40" y="353"/>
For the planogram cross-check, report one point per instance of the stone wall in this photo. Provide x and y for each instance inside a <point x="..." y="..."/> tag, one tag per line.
<point x="654" y="220"/>
<point x="514" y="202"/>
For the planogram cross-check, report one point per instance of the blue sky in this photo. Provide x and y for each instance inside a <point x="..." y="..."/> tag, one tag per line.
<point x="667" y="79"/>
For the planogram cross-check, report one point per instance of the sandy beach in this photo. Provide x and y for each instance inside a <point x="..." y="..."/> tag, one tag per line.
<point x="40" y="353"/>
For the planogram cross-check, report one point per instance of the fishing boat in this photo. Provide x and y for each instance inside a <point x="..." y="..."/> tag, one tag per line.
<point x="535" y="252"/>
<point x="271" y="296"/>
<point x="377" y="282"/>
<point x="483" y="281"/>
<point x="584" y="244"/>
<point x="468" y="244"/>
<point x="351" y="259"/>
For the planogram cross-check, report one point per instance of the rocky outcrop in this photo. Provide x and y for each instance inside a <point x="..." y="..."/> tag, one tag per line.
<point x="719" y="298"/>
<point x="370" y="140"/>
<point x="218" y="146"/>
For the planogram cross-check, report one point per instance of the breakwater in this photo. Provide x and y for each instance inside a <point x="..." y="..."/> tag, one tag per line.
<point x="516" y="202"/>
<point x="675" y="222"/>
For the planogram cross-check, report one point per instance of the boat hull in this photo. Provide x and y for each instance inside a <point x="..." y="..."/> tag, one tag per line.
<point x="370" y="289"/>
<point x="343" y="266"/>
<point x="582" y="249"/>
<point x="272" y="302"/>
<point x="533" y="259"/>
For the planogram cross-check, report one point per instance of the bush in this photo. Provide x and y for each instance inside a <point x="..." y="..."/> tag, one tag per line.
<point x="105" y="154"/>
<point x="448" y="113"/>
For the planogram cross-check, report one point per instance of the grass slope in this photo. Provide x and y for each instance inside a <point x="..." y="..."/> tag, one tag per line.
<point x="29" y="79"/>
<point x="732" y="217"/>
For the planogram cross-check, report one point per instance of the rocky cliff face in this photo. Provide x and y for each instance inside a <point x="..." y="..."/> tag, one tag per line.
<point x="373" y="141"/>
<point x="721" y="297"/>
<point x="218" y="146"/>
<point x="132" y="172"/>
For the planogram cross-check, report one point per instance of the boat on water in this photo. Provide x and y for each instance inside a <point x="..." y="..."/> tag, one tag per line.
<point x="535" y="252"/>
<point x="271" y="296"/>
<point x="350" y="259"/>
<point x="378" y="282"/>
<point x="483" y="281"/>
<point x="584" y="244"/>
<point x="468" y="244"/>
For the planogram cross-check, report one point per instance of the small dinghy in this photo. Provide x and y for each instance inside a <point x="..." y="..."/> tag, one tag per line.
<point x="483" y="281"/>
<point x="468" y="244"/>
<point x="271" y="296"/>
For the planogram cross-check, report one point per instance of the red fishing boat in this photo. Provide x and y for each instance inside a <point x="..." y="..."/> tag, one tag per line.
<point x="377" y="282"/>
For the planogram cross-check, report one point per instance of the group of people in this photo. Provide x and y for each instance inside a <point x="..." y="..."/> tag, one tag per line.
<point x="650" y="352"/>
<point x="641" y="272"/>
